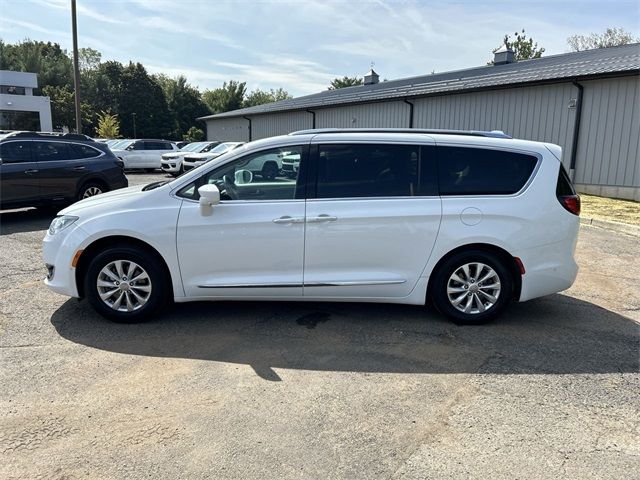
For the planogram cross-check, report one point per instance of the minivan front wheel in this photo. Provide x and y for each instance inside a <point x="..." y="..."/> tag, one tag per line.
<point x="125" y="284"/>
<point x="472" y="287"/>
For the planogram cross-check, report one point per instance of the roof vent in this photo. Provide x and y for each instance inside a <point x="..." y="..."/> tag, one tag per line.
<point x="371" y="78"/>
<point x="503" y="55"/>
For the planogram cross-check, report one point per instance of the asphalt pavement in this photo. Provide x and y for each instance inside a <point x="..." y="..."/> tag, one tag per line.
<point x="257" y="390"/>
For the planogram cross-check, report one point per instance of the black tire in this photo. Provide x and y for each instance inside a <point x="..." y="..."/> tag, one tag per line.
<point x="439" y="293"/>
<point x="150" y="170"/>
<point x="269" y="171"/>
<point x="159" y="290"/>
<point x="91" y="189"/>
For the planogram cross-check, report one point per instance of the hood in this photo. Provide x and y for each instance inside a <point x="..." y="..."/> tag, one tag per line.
<point x="203" y="156"/>
<point x="171" y="156"/>
<point x="121" y="194"/>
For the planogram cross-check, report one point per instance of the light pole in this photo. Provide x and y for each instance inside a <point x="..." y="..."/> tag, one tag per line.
<point x="76" y="68"/>
<point x="134" y="124"/>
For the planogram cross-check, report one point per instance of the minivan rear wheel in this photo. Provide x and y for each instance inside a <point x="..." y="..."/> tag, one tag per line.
<point x="472" y="287"/>
<point x="125" y="284"/>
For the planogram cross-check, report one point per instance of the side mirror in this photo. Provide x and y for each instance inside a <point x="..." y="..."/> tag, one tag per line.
<point x="243" y="177"/>
<point x="209" y="195"/>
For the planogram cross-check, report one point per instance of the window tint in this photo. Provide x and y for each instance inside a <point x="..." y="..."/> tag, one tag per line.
<point x="157" y="146"/>
<point x="346" y="171"/>
<point x="478" y="171"/>
<point x="84" y="151"/>
<point x="564" y="188"/>
<point x="52" y="151"/>
<point x="15" y="152"/>
<point x="258" y="176"/>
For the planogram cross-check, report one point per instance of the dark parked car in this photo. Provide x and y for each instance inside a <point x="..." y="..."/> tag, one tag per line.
<point x="40" y="169"/>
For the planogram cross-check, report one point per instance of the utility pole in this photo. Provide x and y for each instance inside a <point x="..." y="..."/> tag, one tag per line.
<point x="134" y="124"/>
<point x="76" y="68"/>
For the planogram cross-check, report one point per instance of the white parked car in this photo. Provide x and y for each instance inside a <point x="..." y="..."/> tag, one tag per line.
<point x="194" y="160"/>
<point x="469" y="220"/>
<point x="172" y="162"/>
<point x="145" y="154"/>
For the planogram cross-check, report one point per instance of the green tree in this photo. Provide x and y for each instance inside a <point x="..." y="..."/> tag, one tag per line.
<point x="63" y="113"/>
<point x="194" y="134"/>
<point x="229" y="97"/>
<point x="612" y="37"/>
<point x="260" y="97"/>
<point x="184" y="102"/>
<point x="139" y="93"/>
<point x="523" y="47"/>
<point x="108" y="125"/>
<point x="88" y="59"/>
<point x="344" y="82"/>
<point x="50" y="62"/>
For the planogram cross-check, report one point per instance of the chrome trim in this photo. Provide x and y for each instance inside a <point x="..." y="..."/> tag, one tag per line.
<point x="254" y="285"/>
<point x="306" y="284"/>
<point x="354" y="283"/>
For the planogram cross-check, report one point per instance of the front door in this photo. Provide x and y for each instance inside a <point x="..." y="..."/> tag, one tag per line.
<point x="251" y="244"/>
<point x="373" y="222"/>
<point x="19" y="174"/>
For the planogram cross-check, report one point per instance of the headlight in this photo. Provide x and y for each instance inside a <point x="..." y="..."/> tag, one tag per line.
<point x="60" y="223"/>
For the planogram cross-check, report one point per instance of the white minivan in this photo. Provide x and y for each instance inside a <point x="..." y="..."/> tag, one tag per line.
<point x="466" y="221"/>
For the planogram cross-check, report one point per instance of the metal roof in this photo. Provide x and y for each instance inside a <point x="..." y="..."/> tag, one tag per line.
<point x="575" y="65"/>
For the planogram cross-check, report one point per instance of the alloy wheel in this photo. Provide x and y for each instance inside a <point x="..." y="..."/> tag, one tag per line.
<point x="473" y="288"/>
<point x="124" y="285"/>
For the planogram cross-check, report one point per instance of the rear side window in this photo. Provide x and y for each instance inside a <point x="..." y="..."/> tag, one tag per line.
<point x="564" y="188"/>
<point x="365" y="170"/>
<point x="52" y="151"/>
<point x="480" y="171"/>
<point x="157" y="146"/>
<point x="84" y="151"/>
<point x="15" y="152"/>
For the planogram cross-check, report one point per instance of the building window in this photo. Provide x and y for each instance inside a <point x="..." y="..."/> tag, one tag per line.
<point x="18" y="120"/>
<point x="11" y="90"/>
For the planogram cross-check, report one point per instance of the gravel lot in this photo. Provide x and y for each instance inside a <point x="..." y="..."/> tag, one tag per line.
<point x="285" y="390"/>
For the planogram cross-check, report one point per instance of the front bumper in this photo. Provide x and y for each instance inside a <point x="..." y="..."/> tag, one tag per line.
<point x="58" y="252"/>
<point x="171" y="166"/>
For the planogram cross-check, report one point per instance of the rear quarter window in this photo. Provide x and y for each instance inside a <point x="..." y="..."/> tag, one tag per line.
<point x="482" y="171"/>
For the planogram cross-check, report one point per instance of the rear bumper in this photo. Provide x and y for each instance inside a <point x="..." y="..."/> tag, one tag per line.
<point x="549" y="269"/>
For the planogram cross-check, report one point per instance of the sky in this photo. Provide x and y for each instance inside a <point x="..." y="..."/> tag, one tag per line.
<point x="302" y="45"/>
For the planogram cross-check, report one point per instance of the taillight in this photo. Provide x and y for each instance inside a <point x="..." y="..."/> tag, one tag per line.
<point x="571" y="203"/>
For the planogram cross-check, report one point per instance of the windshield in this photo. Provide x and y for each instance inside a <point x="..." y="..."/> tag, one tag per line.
<point x="193" y="147"/>
<point x="121" y="145"/>
<point x="223" y="147"/>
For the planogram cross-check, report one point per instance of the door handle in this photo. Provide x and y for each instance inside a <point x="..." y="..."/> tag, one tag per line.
<point x="322" y="218"/>
<point x="78" y="168"/>
<point x="287" y="220"/>
<point x="30" y="171"/>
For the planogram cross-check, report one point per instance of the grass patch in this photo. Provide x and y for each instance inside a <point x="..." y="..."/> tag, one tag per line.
<point x="612" y="209"/>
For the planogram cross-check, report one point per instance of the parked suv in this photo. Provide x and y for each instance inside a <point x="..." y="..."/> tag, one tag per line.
<point x="468" y="221"/>
<point x="172" y="162"/>
<point x="40" y="168"/>
<point x="193" y="160"/>
<point x="145" y="154"/>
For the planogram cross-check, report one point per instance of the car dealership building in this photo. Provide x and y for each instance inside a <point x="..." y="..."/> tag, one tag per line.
<point x="587" y="102"/>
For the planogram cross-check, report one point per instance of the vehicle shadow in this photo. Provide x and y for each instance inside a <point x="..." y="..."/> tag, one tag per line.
<point x="31" y="220"/>
<point x="554" y="335"/>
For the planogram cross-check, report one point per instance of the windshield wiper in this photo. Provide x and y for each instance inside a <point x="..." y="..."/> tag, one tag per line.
<point x="153" y="185"/>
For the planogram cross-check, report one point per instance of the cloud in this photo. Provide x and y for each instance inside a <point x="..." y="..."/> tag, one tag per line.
<point x="82" y="10"/>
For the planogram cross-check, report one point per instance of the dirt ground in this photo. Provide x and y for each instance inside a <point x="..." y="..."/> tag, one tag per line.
<point x="306" y="391"/>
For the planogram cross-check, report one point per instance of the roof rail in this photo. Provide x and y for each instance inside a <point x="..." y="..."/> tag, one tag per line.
<point x="67" y="136"/>
<point x="472" y="133"/>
